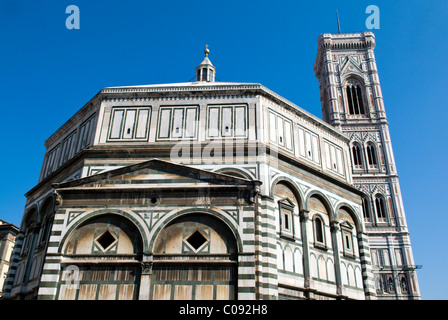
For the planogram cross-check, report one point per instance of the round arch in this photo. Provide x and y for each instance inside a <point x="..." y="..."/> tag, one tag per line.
<point x="292" y="185"/>
<point x="378" y="195"/>
<point x="162" y="223"/>
<point x="239" y="173"/>
<point x="352" y="212"/>
<point x="322" y="197"/>
<point x="200" y="249"/>
<point x="32" y="214"/>
<point x="356" y="142"/>
<point x="49" y="202"/>
<point x="114" y="247"/>
<point x="354" y="94"/>
<point x="99" y="213"/>
<point x="352" y="76"/>
<point x="357" y="153"/>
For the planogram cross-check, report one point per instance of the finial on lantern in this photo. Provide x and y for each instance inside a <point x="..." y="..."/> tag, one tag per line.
<point x="205" y="71"/>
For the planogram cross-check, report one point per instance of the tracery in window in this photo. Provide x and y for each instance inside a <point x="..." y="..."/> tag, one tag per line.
<point x="380" y="209"/>
<point x="404" y="284"/>
<point x="354" y="98"/>
<point x="371" y="155"/>
<point x="365" y="209"/>
<point x="356" y="154"/>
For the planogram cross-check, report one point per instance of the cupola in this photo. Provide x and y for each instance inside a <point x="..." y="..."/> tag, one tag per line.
<point x="206" y="71"/>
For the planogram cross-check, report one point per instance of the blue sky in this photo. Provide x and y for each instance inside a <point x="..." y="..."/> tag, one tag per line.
<point x="49" y="72"/>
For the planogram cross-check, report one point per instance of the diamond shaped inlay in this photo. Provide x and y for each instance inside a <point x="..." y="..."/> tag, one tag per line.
<point x="106" y="240"/>
<point x="196" y="240"/>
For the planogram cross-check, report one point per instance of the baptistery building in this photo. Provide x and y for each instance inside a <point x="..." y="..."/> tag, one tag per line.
<point x="221" y="190"/>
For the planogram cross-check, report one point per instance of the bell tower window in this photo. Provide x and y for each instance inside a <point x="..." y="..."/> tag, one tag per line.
<point x="380" y="209"/>
<point x="371" y="156"/>
<point x="356" y="153"/>
<point x="354" y="98"/>
<point x="365" y="209"/>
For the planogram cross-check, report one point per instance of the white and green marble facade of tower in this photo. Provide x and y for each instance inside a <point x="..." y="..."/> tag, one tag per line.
<point x="352" y="102"/>
<point x="202" y="190"/>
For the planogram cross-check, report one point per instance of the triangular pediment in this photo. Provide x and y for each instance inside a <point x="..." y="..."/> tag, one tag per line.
<point x="286" y="201"/>
<point x="350" y="65"/>
<point x="347" y="224"/>
<point x="155" y="173"/>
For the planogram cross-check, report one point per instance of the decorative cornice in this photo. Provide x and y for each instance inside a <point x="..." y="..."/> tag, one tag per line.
<point x="345" y="41"/>
<point x="177" y="98"/>
<point x="182" y="88"/>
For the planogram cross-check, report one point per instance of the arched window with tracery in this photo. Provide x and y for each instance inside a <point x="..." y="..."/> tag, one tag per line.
<point x="380" y="206"/>
<point x="366" y="209"/>
<point x="356" y="154"/>
<point x="404" y="284"/>
<point x="371" y="155"/>
<point x="354" y="97"/>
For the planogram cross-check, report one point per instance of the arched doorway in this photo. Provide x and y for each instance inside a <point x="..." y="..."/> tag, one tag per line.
<point x="195" y="258"/>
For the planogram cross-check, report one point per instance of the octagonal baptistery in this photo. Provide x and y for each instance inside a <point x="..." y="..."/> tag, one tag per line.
<point x="198" y="190"/>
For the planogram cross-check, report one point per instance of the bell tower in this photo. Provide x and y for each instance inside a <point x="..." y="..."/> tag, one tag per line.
<point x="352" y="101"/>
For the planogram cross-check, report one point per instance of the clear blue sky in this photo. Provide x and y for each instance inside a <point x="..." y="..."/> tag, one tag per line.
<point x="49" y="72"/>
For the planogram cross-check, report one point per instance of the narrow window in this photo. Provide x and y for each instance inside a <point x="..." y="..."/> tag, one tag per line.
<point x="286" y="219"/>
<point x="347" y="242"/>
<point x="350" y="101"/>
<point x="354" y="99"/>
<point x="371" y="155"/>
<point x="380" y="208"/>
<point x="286" y="212"/>
<point x="356" y="156"/>
<point x="360" y="104"/>
<point x="365" y="208"/>
<point x="318" y="230"/>
<point x="403" y="284"/>
<point x="390" y="284"/>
